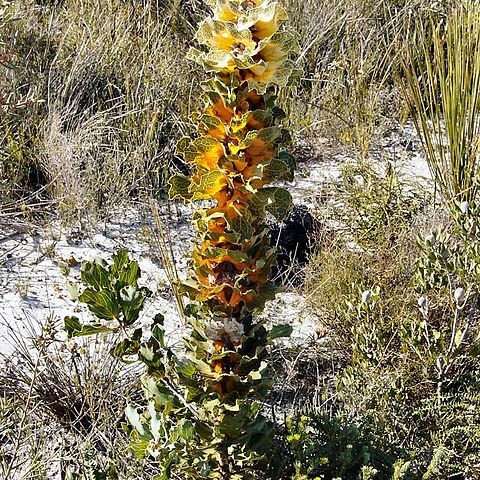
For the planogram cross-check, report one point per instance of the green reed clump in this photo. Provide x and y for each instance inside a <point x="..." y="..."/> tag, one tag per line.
<point x="442" y="72"/>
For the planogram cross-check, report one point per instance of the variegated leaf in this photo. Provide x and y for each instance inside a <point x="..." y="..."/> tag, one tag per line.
<point x="276" y="201"/>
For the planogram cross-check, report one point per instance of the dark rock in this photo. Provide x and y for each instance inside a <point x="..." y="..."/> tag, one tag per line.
<point x="295" y="242"/>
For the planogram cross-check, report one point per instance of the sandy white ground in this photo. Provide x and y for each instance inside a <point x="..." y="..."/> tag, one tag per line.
<point x="34" y="272"/>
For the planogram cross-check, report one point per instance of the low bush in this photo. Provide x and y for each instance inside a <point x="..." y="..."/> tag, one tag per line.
<point x="403" y="319"/>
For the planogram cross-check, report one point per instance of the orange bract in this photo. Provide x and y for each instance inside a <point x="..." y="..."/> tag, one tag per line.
<point x="210" y="158"/>
<point x="221" y="111"/>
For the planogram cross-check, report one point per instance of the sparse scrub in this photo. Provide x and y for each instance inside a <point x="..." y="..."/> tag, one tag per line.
<point x="349" y="55"/>
<point x="402" y="322"/>
<point x="96" y="101"/>
<point x="108" y="91"/>
<point x="374" y="198"/>
<point x="109" y="80"/>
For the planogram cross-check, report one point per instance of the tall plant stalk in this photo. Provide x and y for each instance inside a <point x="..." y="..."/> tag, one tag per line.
<point x="443" y="87"/>
<point x="237" y="155"/>
<point x="204" y="416"/>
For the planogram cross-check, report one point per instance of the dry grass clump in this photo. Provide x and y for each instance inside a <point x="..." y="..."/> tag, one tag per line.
<point x="61" y="408"/>
<point x="340" y="273"/>
<point x="350" y="89"/>
<point x="114" y="74"/>
<point x="102" y="90"/>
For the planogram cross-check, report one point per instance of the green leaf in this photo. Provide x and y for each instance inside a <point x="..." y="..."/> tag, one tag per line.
<point x="158" y="333"/>
<point x="458" y="338"/>
<point x="159" y="319"/>
<point x="180" y="187"/>
<point x="95" y="275"/>
<point x="73" y="290"/>
<point x="74" y="328"/>
<point x="187" y="430"/>
<point x="131" y="303"/>
<point x="279" y="331"/>
<point x="129" y="275"/>
<point x="159" y="393"/>
<point x="258" y="435"/>
<point x="232" y="408"/>
<point x="185" y="368"/>
<point x="242" y="226"/>
<point x="167" y="472"/>
<point x="134" y="418"/>
<point x="120" y="260"/>
<point x="269" y="136"/>
<point x="277" y="201"/>
<point x="128" y="346"/>
<point x="103" y="303"/>
<point x="280" y="168"/>
<point x="232" y="425"/>
<point x="201" y="366"/>
<point x="155" y="422"/>
<point x="147" y="353"/>
<point x="255" y="375"/>
<point x="191" y="310"/>
<point x="139" y="447"/>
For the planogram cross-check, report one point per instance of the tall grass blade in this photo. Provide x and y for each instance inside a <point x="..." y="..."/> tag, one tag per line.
<point x="442" y="83"/>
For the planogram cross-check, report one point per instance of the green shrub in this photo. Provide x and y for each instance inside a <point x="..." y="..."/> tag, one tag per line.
<point x="326" y="448"/>
<point x="404" y="323"/>
<point x="377" y="212"/>
<point x="188" y="429"/>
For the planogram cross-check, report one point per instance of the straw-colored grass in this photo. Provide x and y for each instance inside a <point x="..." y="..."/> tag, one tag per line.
<point x="100" y="91"/>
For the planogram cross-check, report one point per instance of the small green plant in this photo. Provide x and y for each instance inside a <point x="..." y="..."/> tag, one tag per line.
<point x="449" y="265"/>
<point x="112" y="294"/>
<point x="325" y="448"/>
<point x="374" y="199"/>
<point x="190" y="428"/>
